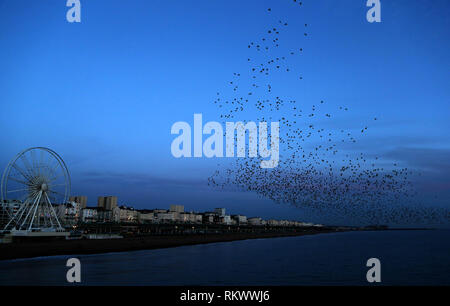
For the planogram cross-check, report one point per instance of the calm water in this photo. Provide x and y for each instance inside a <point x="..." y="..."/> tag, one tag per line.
<point x="407" y="258"/>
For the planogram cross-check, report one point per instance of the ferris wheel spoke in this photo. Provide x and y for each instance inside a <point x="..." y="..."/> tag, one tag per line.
<point x="18" y="181"/>
<point x="45" y="170"/>
<point x="33" y="159"/>
<point x="55" y="178"/>
<point x="53" y="172"/>
<point x="17" y="190"/>
<point x="48" y="171"/>
<point x="51" y="164"/>
<point x="55" y="192"/>
<point x="25" y="197"/>
<point x="21" y="171"/>
<point x="58" y="185"/>
<point x="41" y="160"/>
<point x="46" y="165"/>
<point x="56" y="188"/>
<point x="27" y="165"/>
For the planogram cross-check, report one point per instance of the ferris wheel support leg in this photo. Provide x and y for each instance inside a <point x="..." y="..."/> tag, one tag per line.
<point x="49" y="213"/>
<point x="54" y="213"/>
<point x="19" y="214"/>
<point x="35" y="202"/>
<point x="34" y="214"/>
<point x="25" y="208"/>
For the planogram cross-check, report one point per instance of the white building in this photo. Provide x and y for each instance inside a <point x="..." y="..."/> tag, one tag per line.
<point x="198" y="218"/>
<point x="208" y="217"/>
<point x="177" y="208"/>
<point x="191" y="217"/>
<point x="89" y="214"/>
<point x="220" y="211"/>
<point x="285" y="222"/>
<point x="184" y="217"/>
<point x="12" y="205"/>
<point x="146" y="216"/>
<point x="165" y="217"/>
<point x="157" y="211"/>
<point x="240" y="219"/>
<point x="225" y="220"/>
<point x="254" y="221"/>
<point x="68" y="213"/>
<point x="305" y="224"/>
<point x="127" y="214"/>
<point x="272" y="222"/>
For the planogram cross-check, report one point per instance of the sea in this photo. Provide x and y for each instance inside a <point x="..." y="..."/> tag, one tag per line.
<point x="409" y="257"/>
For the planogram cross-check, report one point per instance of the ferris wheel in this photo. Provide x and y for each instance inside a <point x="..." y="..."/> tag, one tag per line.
<point x="34" y="180"/>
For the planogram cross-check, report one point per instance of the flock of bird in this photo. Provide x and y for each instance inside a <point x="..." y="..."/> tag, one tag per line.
<point x="318" y="169"/>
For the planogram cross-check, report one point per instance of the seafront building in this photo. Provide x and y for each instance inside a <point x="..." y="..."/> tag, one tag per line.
<point x="89" y="215"/>
<point x="220" y="211"/>
<point x="145" y="216"/>
<point x="108" y="202"/>
<point x="226" y="220"/>
<point x="70" y="213"/>
<point x="177" y="208"/>
<point x="82" y="200"/>
<point x="108" y="211"/>
<point x="255" y="221"/>
<point x="239" y="219"/>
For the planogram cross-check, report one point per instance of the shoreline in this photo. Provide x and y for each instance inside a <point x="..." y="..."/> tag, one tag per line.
<point x="100" y="246"/>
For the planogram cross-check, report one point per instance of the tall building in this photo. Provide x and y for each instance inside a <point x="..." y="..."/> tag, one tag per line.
<point x="220" y="211"/>
<point x="109" y="202"/>
<point x="82" y="200"/>
<point x="177" y="208"/>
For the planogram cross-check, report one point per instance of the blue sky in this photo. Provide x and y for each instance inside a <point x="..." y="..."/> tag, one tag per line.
<point x="104" y="93"/>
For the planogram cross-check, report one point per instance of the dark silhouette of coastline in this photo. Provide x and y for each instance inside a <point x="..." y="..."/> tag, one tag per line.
<point x="97" y="246"/>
